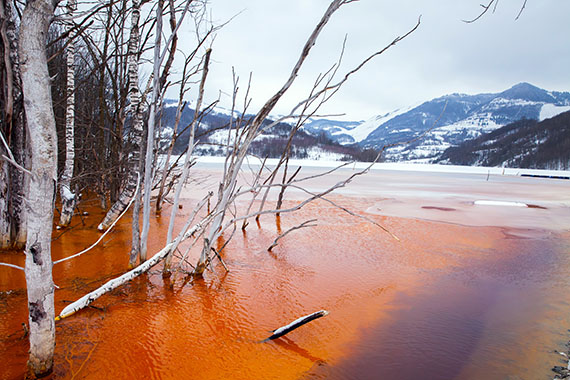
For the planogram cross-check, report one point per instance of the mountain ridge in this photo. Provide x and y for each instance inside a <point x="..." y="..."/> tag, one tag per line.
<point x="465" y="116"/>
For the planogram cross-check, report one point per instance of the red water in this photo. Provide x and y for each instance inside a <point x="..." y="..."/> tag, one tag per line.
<point x="447" y="301"/>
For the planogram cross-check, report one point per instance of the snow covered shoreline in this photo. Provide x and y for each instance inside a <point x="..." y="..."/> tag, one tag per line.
<point x="414" y="167"/>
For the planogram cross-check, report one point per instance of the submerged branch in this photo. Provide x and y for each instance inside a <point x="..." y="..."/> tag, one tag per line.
<point x="302" y="225"/>
<point x="12" y="266"/>
<point x="296" y="324"/>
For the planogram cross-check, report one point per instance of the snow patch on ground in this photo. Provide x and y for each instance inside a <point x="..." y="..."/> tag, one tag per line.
<point x="550" y="110"/>
<point x="316" y="153"/>
<point x="499" y="203"/>
<point x="483" y="121"/>
<point x="221" y="137"/>
<point x="502" y="102"/>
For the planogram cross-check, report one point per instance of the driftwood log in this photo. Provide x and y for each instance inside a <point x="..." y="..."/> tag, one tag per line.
<point x="281" y="331"/>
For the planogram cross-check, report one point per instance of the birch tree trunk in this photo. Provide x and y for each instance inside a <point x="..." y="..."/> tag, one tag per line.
<point x="40" y="200"/>
<point x="68" y="198"/>
<point x="137" y="124"/>
<point x="137" y="129"/>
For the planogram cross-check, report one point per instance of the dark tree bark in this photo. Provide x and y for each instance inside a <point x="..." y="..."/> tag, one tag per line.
<point x="13" y="182"/>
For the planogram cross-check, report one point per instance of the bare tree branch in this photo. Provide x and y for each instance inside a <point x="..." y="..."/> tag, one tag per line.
<point x="302" y="225"/>
<point x="521" y="10"/>
<point x="485" y="10"/>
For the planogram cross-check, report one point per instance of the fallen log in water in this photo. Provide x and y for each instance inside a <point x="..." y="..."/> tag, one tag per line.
<point x="116" y="282"/>
<point x="295" y="324"/>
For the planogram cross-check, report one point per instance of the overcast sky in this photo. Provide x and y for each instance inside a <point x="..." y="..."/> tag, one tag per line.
<point x="445" y="55"/>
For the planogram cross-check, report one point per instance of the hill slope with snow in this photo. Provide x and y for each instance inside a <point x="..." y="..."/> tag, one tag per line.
<point x="523" y="144"/>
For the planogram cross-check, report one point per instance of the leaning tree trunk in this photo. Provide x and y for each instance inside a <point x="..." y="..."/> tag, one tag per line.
<point x="40" y="199"/>
<point x="136" y="131"/>
<point x="68" y="198"/>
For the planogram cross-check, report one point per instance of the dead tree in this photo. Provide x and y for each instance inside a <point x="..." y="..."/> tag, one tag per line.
<point x="159" y="57"/>
<point x="68" y="198"/>
<point x="187" y="74"/>
<point x="187" y="158"/>
<point x="228" y="187"/>
<point x="14" y="157"/>
<point x="224" y="215"/>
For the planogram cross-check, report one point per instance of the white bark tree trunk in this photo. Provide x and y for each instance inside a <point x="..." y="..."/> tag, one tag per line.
<point x="68" y="198"/>
<point x="137" y="129"/>
<point x="150" y="131"/>
<point x="40" y="200"/>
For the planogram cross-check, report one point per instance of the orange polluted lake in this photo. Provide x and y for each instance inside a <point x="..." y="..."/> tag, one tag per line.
<point x="450" y="300"/>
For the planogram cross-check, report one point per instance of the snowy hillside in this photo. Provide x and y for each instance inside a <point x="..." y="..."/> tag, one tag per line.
<point x="213" y="129"/>
<point x="522" y="144"/>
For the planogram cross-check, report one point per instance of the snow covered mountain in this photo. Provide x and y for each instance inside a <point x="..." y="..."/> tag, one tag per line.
<point x="423" y="132"/>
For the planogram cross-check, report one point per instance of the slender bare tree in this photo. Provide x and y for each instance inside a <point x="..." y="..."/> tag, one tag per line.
<point x="159" y="57"/>
<point x="68" y="198"/>
<point x="187" y="158"/>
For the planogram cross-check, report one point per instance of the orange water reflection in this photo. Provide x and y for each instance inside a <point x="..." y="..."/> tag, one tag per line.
<point x="446" y="301"/>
